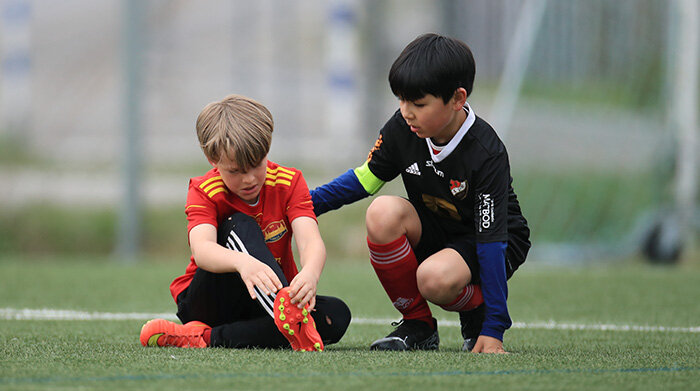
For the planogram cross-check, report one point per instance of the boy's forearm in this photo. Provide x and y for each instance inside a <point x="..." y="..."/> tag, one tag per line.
<point x="312" y="251"/>
<point x="215" y="258"/>
<point x="313" y="258"/>
<point x="494" y="288"/>
<point x="351" y="186"/>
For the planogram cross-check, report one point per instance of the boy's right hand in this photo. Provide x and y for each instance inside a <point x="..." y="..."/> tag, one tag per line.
<point x="255" y="273"/>
<point x="486" y="344"/>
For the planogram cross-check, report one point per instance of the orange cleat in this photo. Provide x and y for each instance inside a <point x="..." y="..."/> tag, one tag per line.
<point x="297" y="325"/>
<point x="161" y="332"/>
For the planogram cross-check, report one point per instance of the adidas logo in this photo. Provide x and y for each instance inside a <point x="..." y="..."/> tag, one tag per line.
<point x="413" y="169"/>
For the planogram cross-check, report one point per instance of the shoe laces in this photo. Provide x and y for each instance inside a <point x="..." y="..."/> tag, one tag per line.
<point x="411" y="327"/>
<point x="182" y="339"/>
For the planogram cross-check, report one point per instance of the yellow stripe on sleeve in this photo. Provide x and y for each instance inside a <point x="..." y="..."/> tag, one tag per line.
<point x="210" y="180"/>
<point x="278" y="181"/>
<point x="280" y="169"/>
<point x="280" y="175"/>
<point x="213" y="185"/>
<point x="217" y="191"/>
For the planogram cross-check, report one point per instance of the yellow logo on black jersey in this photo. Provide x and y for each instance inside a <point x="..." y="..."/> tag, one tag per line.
<point x="441" y="207"/>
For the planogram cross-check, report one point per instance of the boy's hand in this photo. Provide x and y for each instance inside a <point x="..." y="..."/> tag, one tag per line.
<point x="302" y="289"/>
<point x="485" y="344"/>
<point x="255" y="273"/>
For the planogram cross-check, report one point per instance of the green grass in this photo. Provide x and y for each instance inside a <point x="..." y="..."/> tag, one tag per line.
<point x="560" y="207"/>
<point x="41" y="354"/>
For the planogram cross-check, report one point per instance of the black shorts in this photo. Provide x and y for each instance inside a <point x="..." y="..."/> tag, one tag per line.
<point x="221" y="300"/>
<point x="434" y="238"/>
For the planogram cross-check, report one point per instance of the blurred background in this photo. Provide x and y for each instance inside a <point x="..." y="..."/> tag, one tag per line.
<point x="596" y="101"/>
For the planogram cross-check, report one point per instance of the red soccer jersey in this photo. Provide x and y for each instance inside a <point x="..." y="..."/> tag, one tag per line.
<point x="283" y="198"/>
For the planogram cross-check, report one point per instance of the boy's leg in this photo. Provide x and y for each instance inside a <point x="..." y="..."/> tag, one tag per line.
<point x="222" y="301"/>
<point x="331" y="315"/>
<point x="240" y="232"/>
<point x="445" y="279"/>
<point x="221" y="298"/>
<point x="393" y="227"/>
<point x="256" y="328"/>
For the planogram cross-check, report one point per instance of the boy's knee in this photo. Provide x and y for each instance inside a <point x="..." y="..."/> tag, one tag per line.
<point x="435" y="283"/>
<point x="239" y="223"/>
<point x="335" y="320"/>
<point x="383" y="216"/>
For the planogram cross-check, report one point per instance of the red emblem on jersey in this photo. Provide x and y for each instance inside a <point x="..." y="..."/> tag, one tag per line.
<point x="458" y="189"/>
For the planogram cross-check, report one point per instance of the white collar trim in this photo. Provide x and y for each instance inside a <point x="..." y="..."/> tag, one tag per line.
<point x="447" y="149"/>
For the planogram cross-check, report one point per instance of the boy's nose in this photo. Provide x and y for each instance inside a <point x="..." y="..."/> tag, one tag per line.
<point x="405" y="111"/>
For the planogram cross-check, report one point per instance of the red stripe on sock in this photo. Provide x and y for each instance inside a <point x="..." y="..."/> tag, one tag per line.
<point x="469" y="299"/>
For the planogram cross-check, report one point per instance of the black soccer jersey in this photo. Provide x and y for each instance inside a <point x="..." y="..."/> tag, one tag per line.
<point x="467" y="184"/>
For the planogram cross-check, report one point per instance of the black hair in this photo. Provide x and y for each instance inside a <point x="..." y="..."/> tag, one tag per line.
<point x="432" y="64"/>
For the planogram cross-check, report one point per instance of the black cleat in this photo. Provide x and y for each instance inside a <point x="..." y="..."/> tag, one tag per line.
<point x="410" y="334"/>
<point x="471" y="322"/>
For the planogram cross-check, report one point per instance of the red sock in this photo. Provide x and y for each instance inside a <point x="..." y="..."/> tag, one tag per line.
<point x="396" y="266"/>
<point x="469" y="299"/>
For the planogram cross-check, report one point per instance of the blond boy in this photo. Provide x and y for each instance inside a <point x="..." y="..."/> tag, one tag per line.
<point x="241" y="215"/>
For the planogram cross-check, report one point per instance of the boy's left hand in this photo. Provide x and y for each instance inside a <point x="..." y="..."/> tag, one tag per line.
<point x="486" y="344"/>
<point x="302" y="289"/>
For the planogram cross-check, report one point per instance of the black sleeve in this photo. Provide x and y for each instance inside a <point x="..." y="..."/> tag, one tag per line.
<point x="383" y="159"/>
<point x="491" y="201"/>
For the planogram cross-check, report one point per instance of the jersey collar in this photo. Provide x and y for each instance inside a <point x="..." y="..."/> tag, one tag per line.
<point x="447" y="149"/>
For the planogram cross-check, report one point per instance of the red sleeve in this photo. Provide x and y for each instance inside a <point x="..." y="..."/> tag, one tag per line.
<point x="299" y="203"/>
<point x="200" y="209"/>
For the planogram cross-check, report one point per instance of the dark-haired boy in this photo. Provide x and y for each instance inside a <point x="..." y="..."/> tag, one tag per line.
<point x="460" y="234"/>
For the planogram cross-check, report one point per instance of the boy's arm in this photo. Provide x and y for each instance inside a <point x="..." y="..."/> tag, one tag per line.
<point x="491" y="226"/>
<point x="214" y="258"/>
<point x="351" y="186"/>
<point x="495" y="290"/>
<point x="312" y="256"/>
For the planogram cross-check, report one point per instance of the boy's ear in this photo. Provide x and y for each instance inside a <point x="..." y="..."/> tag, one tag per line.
<point x="460" y="98"/>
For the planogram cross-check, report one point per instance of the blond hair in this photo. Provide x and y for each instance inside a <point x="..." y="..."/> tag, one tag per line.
<point x="238" y="128"/>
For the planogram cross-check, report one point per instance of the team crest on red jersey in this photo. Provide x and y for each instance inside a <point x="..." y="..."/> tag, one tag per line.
<point x="274" y="231"/>
<point x="459" y="189"/>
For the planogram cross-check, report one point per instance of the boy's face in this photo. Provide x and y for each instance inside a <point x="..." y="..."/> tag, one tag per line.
<point x="431" y="117"/>
<point x="246" y="185"/>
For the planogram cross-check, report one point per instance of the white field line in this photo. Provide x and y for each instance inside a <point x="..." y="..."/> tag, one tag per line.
<point x="53" y="314"/>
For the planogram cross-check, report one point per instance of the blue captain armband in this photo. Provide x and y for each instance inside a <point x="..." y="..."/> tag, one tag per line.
<point x="351" y="186"/>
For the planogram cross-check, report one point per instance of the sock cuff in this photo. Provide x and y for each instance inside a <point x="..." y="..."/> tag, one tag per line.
<point x="469" y="299"/>
<point x="388" y="253"/>
<point x="386" y="246"/>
